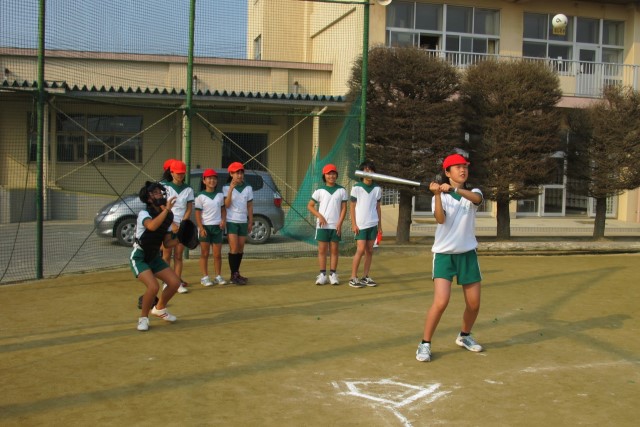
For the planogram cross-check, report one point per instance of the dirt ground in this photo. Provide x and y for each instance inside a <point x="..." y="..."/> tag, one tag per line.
<point x="560" y="333"/>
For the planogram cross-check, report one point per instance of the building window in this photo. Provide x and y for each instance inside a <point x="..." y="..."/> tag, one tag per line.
<point x="613" y="33"/>
<point x="257" y="48"/>
<point x="588" y="31"/>
<point x="249" y="149"/>
<point x="465" y="29"/>
<point x="32" y="138"/>
<point x="604" y="39"/>
<point x="105" y="139"/>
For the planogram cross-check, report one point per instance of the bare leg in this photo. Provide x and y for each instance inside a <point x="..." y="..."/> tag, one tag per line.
<point x="322" y="254"/>
<point x="472" y="308"/>
<point x="204" y="258"/>
<point x="360" y="250"/>
<point x="147" y="278"/>
<point x="335" y="252"/>
<point x="177" y="259"/>
<point x="217" y="258"/>
<point x="169" y="277"/>
<point x="441" y="295"/>
<point x="166" y="255"/>
<point x="368" y="256"/>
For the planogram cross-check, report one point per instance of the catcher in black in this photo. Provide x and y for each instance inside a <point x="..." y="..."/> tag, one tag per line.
<point x="153" y="229"/>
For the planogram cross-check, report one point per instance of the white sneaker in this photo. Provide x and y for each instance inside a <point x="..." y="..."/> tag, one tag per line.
<point x="182" y="289"/>
<point x="143" y="324"/>
<point x="333" y="278"/>
<point x="219" y="280"/>
<point x="205" y="281"/>
<point x="423" y="354"/>
<point x="321" y="279"/>
<point x="163" y="314"/>
<point x="469" y="343"/>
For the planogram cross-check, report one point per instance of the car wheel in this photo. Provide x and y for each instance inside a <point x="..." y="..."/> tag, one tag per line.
<point x="261" y="230"/>
<point x="126" y="231"/>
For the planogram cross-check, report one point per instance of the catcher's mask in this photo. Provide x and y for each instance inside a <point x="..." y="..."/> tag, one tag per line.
<point x="147" y="191"/>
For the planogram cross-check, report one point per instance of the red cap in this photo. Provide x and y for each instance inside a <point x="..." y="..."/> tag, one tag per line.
<point x="329" y="168"/>
<point x="454" y="159"/>
<point x="178" y="167"/>
<point x="209" y="172"/>
<point x="167" y="164"/>
<point x="235" y="167"/>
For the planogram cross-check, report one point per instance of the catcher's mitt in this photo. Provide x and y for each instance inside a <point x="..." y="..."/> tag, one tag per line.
<point x="188" y="234"/>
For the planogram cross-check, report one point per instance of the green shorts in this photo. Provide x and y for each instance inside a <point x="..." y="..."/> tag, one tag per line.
<point x="327" y="235"/>
<point x="214" y="234"/>
<point x="239" y="228"/>
<point x="464" y="266"/>
<point x="138" y="264"/>
<point x="367" y="233"/>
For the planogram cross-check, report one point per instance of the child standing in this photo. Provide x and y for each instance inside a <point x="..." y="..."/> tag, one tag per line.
<point x="166" y="171"/>
<point x="181" y="210"/>
<point x="211" y="217"/>
<point x="239" y="203"/>
<point x="454" y="253"/>
<point x="153" y="228"/>
<point x="366" y="221"/>
<point x="331" y="200"/>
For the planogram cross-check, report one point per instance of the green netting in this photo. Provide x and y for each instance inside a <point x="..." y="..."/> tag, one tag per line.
<point x="268" y="80"/>
<point x="300" y="224"/>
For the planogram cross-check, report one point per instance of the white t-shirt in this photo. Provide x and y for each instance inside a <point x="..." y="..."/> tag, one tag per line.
<point x="457" y="234"/>
<point x="242" y="195"/>
<point x="183" y="194"/>
<point x="366" y="198"/>
<point x="329" y="201"/>
<point x="210" y="204"/>
<point x="140" y="228"/>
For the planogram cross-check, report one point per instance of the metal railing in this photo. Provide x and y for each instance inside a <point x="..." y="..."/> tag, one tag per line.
<point x="577" y="78"/>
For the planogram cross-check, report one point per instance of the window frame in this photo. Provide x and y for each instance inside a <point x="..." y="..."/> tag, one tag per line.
<point x="82" y="141"/>
<point x="416" y="34"/>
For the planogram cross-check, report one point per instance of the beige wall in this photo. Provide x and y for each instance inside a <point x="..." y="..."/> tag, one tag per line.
<point x="14" y="164"/>
<point x="168" y="73"/>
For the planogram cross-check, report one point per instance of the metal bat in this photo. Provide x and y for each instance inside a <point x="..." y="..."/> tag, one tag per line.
<point x="390" y="179"/>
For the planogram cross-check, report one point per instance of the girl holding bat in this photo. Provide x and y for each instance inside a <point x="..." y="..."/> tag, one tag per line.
<point x="366" y="223"/>
<point x="454" y="253"/>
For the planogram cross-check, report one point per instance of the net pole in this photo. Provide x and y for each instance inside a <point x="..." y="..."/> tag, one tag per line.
<point x="365" y="71"/>
<point x="39" y="142"/>
<point x="189" y="101"/>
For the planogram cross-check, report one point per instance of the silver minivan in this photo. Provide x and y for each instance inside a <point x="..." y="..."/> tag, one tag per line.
<point x="118" y="219"/>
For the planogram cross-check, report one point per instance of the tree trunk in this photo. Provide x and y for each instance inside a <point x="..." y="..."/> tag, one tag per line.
<point x="503" y="225"/>
<point x="405" y="208"/>
<point x="601" y="216"/>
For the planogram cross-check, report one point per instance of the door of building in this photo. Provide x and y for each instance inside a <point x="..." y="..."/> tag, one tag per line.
<point x="589" y="78"/>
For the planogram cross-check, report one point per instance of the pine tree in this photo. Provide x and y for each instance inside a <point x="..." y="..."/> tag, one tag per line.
<point x="413" y="118"/>
<point x="509" y="112"/>
<point x="604" y="149"/>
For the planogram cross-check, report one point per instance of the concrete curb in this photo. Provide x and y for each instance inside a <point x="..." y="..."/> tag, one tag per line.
<point x="563" y="247"/>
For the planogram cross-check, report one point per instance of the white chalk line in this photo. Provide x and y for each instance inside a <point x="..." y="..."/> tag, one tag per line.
<point x="533" y="370"/>
<point x="428" y="395"/>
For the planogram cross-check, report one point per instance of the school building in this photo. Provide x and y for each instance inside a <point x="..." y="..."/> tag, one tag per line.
<point x="296" y="74"/>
